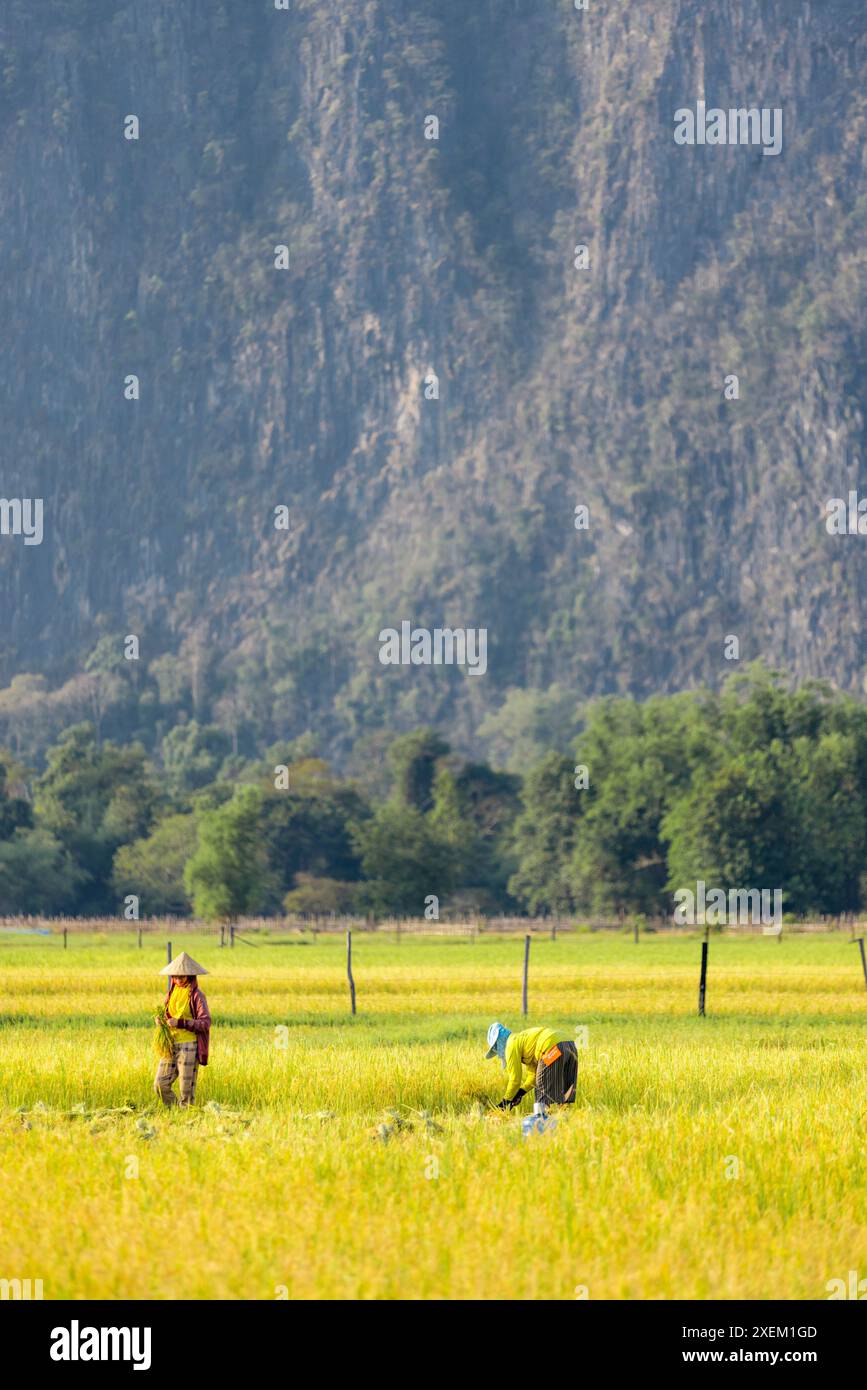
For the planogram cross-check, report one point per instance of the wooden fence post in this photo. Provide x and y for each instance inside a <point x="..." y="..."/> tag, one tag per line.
<point x="168" y="953"/>
<point x="702" y="984"/>
<point x="526" y="972"/>
<point x="139" y="938"/>
<point x="232" y="934"/>
<point x="863" y="957"/>
<point x="64" y="941"/>
<point x="349" y="969"/>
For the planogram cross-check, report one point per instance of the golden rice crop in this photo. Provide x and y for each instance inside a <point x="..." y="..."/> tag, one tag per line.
<point x="336" y="1157"/>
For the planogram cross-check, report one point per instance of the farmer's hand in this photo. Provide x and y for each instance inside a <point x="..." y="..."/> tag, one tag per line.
<point x="171" y="1022"/>
<point x="504" y="1105"/>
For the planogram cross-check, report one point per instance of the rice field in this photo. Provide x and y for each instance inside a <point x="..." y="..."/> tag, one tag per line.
<point x="337" y="1157"/>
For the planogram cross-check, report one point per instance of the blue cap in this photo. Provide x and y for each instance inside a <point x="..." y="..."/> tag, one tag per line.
<point x="497" y="1039"/>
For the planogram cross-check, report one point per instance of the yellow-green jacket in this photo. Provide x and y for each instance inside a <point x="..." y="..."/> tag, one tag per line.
<point x="524" y="1051"/>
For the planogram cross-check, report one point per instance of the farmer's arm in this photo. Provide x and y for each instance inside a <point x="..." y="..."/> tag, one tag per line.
<point x="201" y="1022"/>
<point x="514" y="1069"/>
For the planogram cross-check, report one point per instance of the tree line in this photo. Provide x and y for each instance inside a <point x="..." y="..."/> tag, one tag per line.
<point x="762" y="784"/>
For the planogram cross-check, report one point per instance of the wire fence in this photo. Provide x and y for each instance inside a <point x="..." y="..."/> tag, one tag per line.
<point x="472" y="928"/>
<point x="279" y="930"/>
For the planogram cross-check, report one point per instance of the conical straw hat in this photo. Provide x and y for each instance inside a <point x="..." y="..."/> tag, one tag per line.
<point x="184" y="965"/>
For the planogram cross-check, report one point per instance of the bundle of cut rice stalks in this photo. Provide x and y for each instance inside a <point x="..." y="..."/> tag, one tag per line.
<point x="163" y="1035"/>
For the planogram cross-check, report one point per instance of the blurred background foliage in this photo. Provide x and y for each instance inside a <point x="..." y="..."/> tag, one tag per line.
<point x="760" y="785"/>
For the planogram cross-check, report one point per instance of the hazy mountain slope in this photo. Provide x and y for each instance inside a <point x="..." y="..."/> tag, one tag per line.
<point x="305" y="387"/>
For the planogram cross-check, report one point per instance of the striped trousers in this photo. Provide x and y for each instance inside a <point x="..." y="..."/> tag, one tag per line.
<point x="183" y="1068"/>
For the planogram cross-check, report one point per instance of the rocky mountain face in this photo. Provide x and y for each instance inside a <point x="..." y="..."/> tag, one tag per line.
<point x="565" y="378"/>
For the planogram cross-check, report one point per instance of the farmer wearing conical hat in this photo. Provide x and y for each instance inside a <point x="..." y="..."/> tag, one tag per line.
<point x="189" y="1021"/>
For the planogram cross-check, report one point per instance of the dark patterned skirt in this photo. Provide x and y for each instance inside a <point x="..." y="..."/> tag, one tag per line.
<point x="557" y="1075"/>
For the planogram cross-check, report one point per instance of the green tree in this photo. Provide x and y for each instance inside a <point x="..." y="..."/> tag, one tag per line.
<point x="16" y="812"/>
<point x="193" y="755"/>
<point x="315" y="897"/>
<point x="229" y="874"/>
<point x="544" y="836"/>
<point x="474" y="811"/>
<point x="93" y="799"/>
<point x="404" y="858"/>
<point x="26" y="711"/>
<point x="413" y="761"/>
<point x="37" y="874"/>
<point x="307" y="826"/>
<point x="105" y="682"/>
<point x="737" y="829"/>
<point x="830" y="808"/>
<point x="529" y="724"/>
<point x="153" y="867"/>
<point x="639" y="759"/>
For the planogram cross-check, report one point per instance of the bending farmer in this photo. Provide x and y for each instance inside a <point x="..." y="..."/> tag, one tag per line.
<point x="540" y="1059"/>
